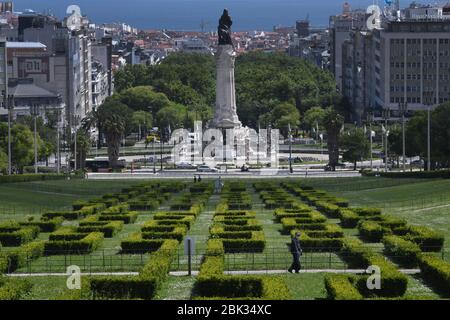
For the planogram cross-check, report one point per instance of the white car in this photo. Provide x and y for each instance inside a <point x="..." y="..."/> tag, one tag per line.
<point x="204" y="168"/>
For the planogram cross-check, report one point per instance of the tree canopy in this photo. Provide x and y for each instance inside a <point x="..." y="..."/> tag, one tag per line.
<point x="355" y="146"/>
<point x="263" y="82"/>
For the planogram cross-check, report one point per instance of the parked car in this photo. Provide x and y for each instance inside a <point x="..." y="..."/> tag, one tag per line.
<point x="418" y="163"/>
<point x="185" y="165"/>
<point x="205" y="168"/>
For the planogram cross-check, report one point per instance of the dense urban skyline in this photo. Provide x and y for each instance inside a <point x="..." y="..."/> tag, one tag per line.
<point x="171" y="14"/>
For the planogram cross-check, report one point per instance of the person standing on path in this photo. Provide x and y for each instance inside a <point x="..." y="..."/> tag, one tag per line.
<point x="296" y="252"/>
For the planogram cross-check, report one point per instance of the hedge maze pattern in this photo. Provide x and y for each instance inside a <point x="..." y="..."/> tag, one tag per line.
<point x="322" y="220"/>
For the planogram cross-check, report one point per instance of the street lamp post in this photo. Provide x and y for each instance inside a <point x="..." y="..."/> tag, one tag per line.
<point x="154" y="156"/>
<point x="369" y="120"/>
<point x="9" y="104"/>
<point x="429" y="139"/>
<point x="387" y="113"/>
<point x="403" y="107"/>
<point x="34" y="110"/>
<point x="161" y="147"/>
<point x="290" y="148"/>
<point x="75" y="120"/>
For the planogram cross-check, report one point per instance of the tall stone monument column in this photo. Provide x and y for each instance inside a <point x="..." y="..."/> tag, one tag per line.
<point x="225" y="115"/>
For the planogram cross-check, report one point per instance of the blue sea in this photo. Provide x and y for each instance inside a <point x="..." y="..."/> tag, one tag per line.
<point x="189" y="14"/>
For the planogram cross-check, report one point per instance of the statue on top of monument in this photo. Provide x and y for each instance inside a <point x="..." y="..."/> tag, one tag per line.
<point x="224" y="29"/>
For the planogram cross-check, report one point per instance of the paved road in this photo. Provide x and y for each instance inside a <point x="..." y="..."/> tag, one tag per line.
<point x="255" y="174"/>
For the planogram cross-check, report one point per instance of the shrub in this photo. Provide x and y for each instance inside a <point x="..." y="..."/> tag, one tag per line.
<point x="117" y="209"/>
<point x="406" y="252"/>
<point x="364" y="212"/>
<point x="349" y="219"/>
<point x="136" y="245"/>
<point x="85" y="245"/>
<point x="426" y="238"/>
<point x="31" y="177"/>
<point x="185" y="221"/>
<point x="18" y="257"/>
<point x="393" y="282"/>
<point x="319" y="243"/>
<point x="15" y="238"/>
<point x="256" y="243"/>
<point x="67" y="215"/>
<point x="109" y="229"/>
<point x="445" y="174"/>
<point x="143" y="286"/>
<point x="293" y="213"/>
<point x="342" y="287"/>
<point x="143" y="204"/>
<point x="314" y="218"/>
<point x="372" y="231"/>
<point x="436" y="271"/>
<point x="177" y="233"/>
<point x="14" y="289"/>
<point x="123" y="287"/>
<point x="329" y="231"/>
<point x="328" y="208"/>
<point x="126" y="218"/>
<point x="45" y="225"/>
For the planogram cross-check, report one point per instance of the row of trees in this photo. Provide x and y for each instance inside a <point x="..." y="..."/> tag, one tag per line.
<point x="22" y="147"/>
<point x="264" y="82"/>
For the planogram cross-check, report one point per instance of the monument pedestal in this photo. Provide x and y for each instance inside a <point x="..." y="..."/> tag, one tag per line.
<point x="225" y="116"/>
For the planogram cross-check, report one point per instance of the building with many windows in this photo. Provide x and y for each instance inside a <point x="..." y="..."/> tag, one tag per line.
<point x="406" y="61"/>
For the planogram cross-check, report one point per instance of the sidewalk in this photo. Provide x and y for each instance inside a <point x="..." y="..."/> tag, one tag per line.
<point x="195" y="273"/>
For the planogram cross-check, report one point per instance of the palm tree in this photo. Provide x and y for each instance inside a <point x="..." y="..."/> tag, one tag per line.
<point x="333" y="123"/>
<point x="112" y="118"/>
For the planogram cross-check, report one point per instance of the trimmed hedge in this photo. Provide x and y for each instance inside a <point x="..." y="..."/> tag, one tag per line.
<point x="126" y="218"/>
<point x="44" y="225"/>
<point x="143" y="286"/>
<point x="316" y="242"/>
<point x="18" y="257"/>
<point x="31" y="177"/>
<point x="436" y="271"/>
<point x="212" y="284"/>
<point x="445" y="174"/>
<point x="364" y="212"/>
<point x="342" y="287"/>
<point x="136" y="245"/>
<point x="372" y="231"/>
<point x="403" y="251"/>
<point x="66" y="215"/>
<point x="330" y="209"/>
<point x="108" y="228"/>
<point x="303" y="212"/>
<point x="15" y="237"/>
<point x="256" y="243"/>
<point x="428" y="239"/>
<point x="349" y="218"/>
<point x="393" y="282"/>
<point x="177" y="233"/>
<point x="143" y="204"/>
<point x="85" y="245"/>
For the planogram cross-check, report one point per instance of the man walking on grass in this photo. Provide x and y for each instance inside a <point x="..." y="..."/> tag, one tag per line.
<point x="296" y="251"/>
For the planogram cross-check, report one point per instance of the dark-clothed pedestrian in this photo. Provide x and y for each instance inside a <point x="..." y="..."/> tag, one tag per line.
<point x="296" y="251"/>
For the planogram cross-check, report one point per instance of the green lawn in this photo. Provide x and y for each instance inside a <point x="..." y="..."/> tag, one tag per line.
<point x="420" y="202"/>
<point x="19" y="200"/>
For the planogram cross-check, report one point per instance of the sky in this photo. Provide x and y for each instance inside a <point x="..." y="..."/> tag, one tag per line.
<point x="188" y="14"/>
